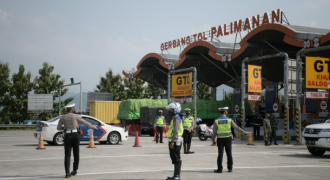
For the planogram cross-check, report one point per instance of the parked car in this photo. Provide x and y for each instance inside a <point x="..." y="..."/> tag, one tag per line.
<point x="105" y="133"/>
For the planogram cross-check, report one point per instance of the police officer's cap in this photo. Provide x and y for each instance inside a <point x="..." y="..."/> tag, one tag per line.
<point x="160" y="111"/>
<point x="69" y="106"/>
<point x="223" y="108"/>
<point x="187" y="109"/>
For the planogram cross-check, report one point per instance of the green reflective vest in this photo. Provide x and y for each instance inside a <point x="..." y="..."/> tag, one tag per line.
<point x="187" y="122"/>
<point x="170" y="130"/>
<point x="224" y="128"/>
<point x="160" y="121"/>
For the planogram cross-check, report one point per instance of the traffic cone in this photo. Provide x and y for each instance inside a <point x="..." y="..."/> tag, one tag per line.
<point x="91" y="141"/>
<point x="250" y="142"/>
<point x="41" y="142"/>
<point x="137" y="142"/>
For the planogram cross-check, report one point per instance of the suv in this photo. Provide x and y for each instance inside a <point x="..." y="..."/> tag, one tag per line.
<point x="317" y="138"/>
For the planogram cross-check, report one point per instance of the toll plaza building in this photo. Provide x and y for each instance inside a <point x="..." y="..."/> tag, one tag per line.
<point x="220" y="62"/>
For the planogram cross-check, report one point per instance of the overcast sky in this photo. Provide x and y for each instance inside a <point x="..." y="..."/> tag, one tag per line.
<point x="84" y="39"/>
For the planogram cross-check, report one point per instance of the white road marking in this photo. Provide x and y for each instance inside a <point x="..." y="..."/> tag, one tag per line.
<point x="170" y="170"/>
<point x="156" y="155"/>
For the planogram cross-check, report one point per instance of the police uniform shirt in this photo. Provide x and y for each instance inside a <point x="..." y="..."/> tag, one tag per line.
<point x="192" y="121"/>
<point x="70" y="122"/>
<point x="215" y="127"/>
<point x="176" y="128"/>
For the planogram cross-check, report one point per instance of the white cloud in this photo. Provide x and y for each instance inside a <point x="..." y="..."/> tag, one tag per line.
<point x="4" y="16"/>
<point x="311" y="24"/>
<point x="196" y="30"/>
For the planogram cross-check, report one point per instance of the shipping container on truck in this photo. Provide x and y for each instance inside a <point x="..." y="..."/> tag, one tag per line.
<point x="105" y="110"/>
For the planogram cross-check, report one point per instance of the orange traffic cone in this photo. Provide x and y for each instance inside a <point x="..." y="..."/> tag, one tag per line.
<point x="137" y="142"/>
<point x="91" y="141"/>
<point x="250" y="142"/>
<point x="41" y="143"/>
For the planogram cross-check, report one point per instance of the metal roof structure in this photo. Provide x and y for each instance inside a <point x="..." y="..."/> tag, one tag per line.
<point x="207" y="56"/>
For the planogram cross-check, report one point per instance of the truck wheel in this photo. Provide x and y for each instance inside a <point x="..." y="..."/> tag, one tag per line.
<point x="316" y="152"/>
<point x="202" y="137"/>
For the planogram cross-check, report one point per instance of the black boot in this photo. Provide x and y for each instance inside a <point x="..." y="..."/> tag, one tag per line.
<point x="266" y="143"/>
<point x="188" y="150"/>
<point x="275" y="143"/>
<point x="177" y="171"/>
<point x="185" y="148"/>
<point x="270" y="143"/>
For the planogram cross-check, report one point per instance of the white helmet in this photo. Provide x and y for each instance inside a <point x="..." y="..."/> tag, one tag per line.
<point x="175" y="106"/>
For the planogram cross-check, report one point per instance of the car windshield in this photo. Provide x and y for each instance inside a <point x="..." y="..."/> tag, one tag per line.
<point x="327" y="121"/>
<point x="54" y="119"/>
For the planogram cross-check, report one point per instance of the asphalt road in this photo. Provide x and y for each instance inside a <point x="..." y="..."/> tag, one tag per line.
<point x="20" y="160"/>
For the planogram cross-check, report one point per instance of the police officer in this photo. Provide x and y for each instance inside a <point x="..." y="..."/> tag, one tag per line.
<point x="175" y="132"/>
<point x="257" y="122"/>
<point x="188" y="125"/>
<point x="222" y="130"/>
<point x="160" y="124"/>
<point x="69" y="123"/>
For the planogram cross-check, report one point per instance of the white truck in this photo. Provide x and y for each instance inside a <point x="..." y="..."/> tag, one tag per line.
<point x="317" y="138"/>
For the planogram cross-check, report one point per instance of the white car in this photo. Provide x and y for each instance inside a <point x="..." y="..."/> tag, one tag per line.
<point x="105" y="133"/>
<point x="317" y="138"/>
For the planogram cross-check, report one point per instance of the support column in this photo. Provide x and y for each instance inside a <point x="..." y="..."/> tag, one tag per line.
<point x="213" y="93"/>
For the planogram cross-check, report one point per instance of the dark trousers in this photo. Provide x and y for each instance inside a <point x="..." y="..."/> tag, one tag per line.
<point x="187" y="136"/>
<point x="256" y="132"/>
<point x="273" y="135"/>
<point x="233" y="132"/>
<point x="160" y="132"/>
<point x="224" y="143"/>
<point x="71" y="141"/>
<point x="175" y="153"/>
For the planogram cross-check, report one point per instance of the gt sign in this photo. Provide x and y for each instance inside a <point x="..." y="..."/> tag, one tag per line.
<point x="317" y="73"/>
<point x="182" y="85"/>
<point x="254" y="82"/>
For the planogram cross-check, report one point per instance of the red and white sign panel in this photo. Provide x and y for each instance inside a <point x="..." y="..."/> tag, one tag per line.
<point x="182" y="100"/>
<point x="323" y="105"/>
<point x="275" y="107"/>
<point x="317" y="95"/>
<point x="254" y="97"/>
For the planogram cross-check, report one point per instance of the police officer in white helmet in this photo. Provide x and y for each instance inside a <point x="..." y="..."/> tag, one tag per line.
<point x="175" y="132"/>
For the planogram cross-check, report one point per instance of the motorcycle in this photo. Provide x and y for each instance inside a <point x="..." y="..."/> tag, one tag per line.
<point x="205" y="132"/>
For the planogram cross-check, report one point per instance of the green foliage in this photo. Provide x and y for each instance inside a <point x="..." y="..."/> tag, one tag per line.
<point x="153" y="91"/>
<point x="134" y="88"/>
<point x="204" y="92"/>
<point x="112" y="84"/>
<point x="48" y="83"/>
<point x="229" y="95"/>
<point x="15" y="102"/>
<point x="5" y="85"/>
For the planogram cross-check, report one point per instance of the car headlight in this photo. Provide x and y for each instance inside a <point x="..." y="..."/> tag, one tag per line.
<point x="326" y="130"/>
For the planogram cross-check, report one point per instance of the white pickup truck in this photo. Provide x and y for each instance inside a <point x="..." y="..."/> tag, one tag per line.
<point x="317" y="138"/>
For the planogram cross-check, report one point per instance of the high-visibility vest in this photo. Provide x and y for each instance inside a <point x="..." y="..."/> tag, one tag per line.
<point x="170" y="129"/>
<point x="224" y="127"/>
<point x="160" y="121"/>
<point x="187" y="122"/>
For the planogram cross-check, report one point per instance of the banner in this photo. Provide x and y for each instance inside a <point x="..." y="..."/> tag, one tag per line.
<point x="270" y="98"/>
<point x="317" y="72"/>
<point x="237" y="94"/>
<point x="182" y="85"/>
<point x="254" y="81"/>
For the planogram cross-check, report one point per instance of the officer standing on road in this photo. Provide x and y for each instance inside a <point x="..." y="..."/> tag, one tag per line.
<point x="175" y="132"/>
<point x="188" y="125"/>
<point x="267" y="130"/>
<point x="273" y="124"/>
<point x="222" y="130"/>
<point x="69" y="123"/>
<point x="160" y="124"/>
<point x="257" y="121"/>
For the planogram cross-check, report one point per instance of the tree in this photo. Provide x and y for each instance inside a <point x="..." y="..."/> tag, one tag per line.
<point x="134" y="88"/>
<point x="230" y="95"/>
<point x="48" y="83"/>
<point x="153" y="91"/>
<point x="112" y="84"/>
<point x="204" y="91"/>
<point x="15" y="102"/>
<point x="5" y="85"/>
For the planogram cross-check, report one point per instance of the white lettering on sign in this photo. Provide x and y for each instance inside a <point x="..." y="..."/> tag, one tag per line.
<point x="316" y="95"/>
<point x="323" y="114"/>
<point x="254" y="97"/>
